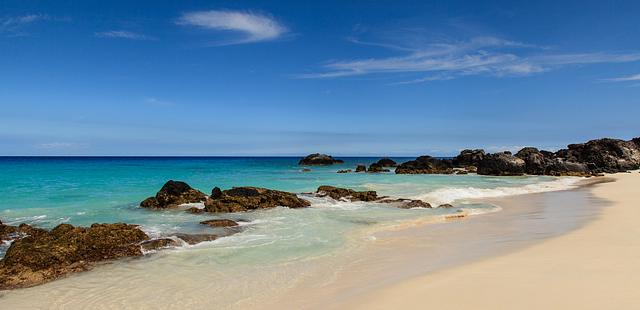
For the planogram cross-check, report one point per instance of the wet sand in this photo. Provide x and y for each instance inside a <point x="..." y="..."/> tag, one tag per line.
<point x="401" y="255"/>
<point x="592" y="267"/>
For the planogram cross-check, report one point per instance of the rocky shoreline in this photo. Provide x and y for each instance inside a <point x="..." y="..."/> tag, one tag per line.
<point x="36" y="256"/>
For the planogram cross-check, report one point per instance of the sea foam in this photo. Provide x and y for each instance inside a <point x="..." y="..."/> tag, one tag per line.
<point x="451" y="194"/>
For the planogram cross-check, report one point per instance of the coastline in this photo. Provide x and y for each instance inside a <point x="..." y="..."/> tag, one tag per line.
<point x="587" y="268"/>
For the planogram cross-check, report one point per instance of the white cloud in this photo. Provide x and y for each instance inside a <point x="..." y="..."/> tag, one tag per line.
<point x="123" y="34"/>
<point x="61" y="146"/>
<point x="630" y="78"/>
<point x="15" y="25"/>
<point x="478" y="56"/>
<point x="254" y="27"/>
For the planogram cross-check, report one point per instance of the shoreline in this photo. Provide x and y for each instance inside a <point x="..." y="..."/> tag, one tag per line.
<point x="590" y="267"/>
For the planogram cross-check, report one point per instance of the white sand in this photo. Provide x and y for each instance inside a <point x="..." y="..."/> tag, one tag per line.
<point x="594" y="267"/>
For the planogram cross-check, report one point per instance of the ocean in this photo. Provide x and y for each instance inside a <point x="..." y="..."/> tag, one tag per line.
<point x="276" y="247"/>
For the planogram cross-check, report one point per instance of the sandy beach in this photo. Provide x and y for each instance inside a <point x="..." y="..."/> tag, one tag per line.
<point x="593" y="267"/>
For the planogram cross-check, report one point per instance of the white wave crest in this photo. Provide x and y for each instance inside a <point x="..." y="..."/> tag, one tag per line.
<point x="451" y="194"/>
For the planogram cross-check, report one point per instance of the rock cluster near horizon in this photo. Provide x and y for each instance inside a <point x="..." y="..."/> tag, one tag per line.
<point x="585" y="159"/>
<point x="318" y="159"/>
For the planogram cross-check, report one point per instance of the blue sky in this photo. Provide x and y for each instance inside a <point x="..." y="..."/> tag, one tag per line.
<point x="290" y="77"/>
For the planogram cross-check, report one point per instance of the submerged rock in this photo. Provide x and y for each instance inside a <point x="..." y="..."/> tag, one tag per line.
<point x="445" y="206"/>
<point x="375" y="168"/>
<point x="501" y="164"/>
<point x="196" y="238"/>
<point x="220" y="223"/>
<point x="319" y="159"/>
<point x="41" y="255"/>
<point x="172" y="194"/>
<point x="240" y="199"/>
<point x="406" y="203"/>
<point x="160" y="243"/>
<point x="344" y="171"/>
<point x="426" y="165"/>
<point x="349" y="194"/>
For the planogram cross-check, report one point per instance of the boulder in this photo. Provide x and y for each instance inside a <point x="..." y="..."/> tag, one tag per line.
<point x="344" y="171"/>
<point x="604" y="155"/>
<point x="7" y="232"/>
<point x="319" y="160"/>
<point x="534" y="161"/>
<point x="426" y="165"/>
<point x="501" y="164"/>
<point x="375" y="167"/>
<point x="246" y="198"/>
<point x="562" y="167"/>
<point x="196" y="238"/>
<point x="468" y="158"/>
<point x="361" y="168"/>
<point x="160" y="243"/>
<point x="220" y="223"/>
<point x="386" y="162"/>
<point x="43" y="256"/>
<point x="172" y="194"/>
<point x="349" y="194"/>
<point x="445" y="206"/>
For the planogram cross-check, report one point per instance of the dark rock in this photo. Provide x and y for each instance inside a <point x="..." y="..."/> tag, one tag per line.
<point x="535" y="162"/>
<point x="216" y="193"/>
<point x="173" y="194"/>
<point x="445" y="206"/>
<point x="604" y="155"/>
<point x="338" y="193"/>
<point x="344" y="171"/>
<point x="469" y="158"/>
<point x="196" y="238"/>
<point x="361" y="168"/>
<point x="196" y="210"/>
<point x="426" y="165"/>
<point x="386" y="162"/>
<point x="43" y="256"/>
<point x="7" y="232"/>
<point x="462" y="172"/>
<point x="406" y="203"/>
<point x="319" y="159"/>
<point x="562" y="167"/>
<point x="240" y="199"/>
<point x="501" y="164"/>
<point x="375" y="168"/>
<point x="161" y="243"/>
<point x="306" y="170"/>
<point x="220" y="223"/>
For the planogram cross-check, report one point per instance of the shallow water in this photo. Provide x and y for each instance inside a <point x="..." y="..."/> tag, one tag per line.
<point x="277" y="248"/>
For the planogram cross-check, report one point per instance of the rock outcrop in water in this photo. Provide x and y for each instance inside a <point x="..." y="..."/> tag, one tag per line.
<point x="469" y="158"/>
<point x="376" y="168"/>
<point x="220" y="223"/>
<point x="501" y="164"/>
<point x="361" y="168"/>
<point x="386" y="162"/>
<point x="240" y="199"/>
<point x="338" y="193"/>
<point x="172" y="194"/>
<point x="318" y="159"/>
<point x="406" y="203"/>
<point x="426" y="165"/>
<point x="38" y="256"/>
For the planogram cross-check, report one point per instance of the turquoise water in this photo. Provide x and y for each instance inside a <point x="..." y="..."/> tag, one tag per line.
<point x="48" y="191"/>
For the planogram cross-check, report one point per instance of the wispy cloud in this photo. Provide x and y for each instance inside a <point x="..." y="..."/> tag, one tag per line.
<point x="123" y="34"/>
<point x="630" y="78"/>
<point x="254" y="27"/>
<point x="478" y="56"/>
<point x="61" y="146"/>
<point x="15" y="25"/>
